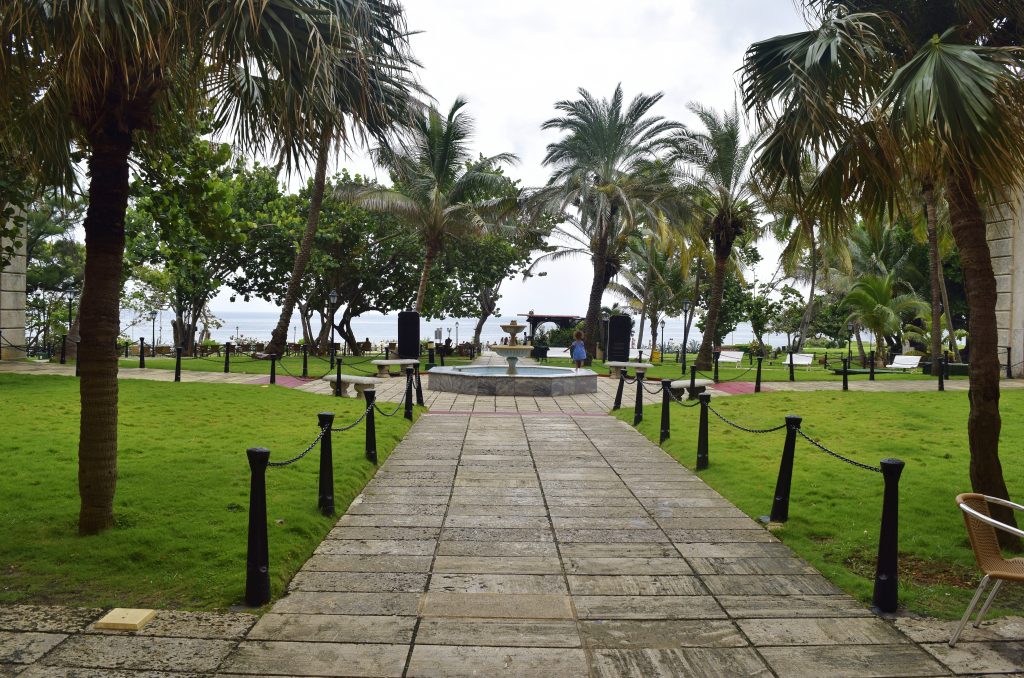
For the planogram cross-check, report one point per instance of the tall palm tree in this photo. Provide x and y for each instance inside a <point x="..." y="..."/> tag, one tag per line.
<point x="603" y="178"/>
<point x="436" y="184"/>
<point x="103" y="73"/>
<point x="875" y="302"/>
<point x="870" y="92"/>
<point x="715" y="167"/>
<point x="373" y="105"/>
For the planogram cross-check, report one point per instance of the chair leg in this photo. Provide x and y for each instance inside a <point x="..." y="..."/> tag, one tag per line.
<point x="988" y="603"/>
<point x="968" y="611"/>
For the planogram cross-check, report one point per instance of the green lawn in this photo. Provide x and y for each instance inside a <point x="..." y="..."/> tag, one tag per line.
<point x="775" y="372"/>
<point x="182" y="495"/>
<point x="291" y="365"/>
<point x="835" y="508"/>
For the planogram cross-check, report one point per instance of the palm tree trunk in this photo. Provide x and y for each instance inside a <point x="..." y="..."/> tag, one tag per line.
<point x="591" y="325"/>
<point x="428" y="263"/>
<point x="99" y="313"/>
<point x="316" y="201"/>
<point x="806" y="320"/>
<point x="693" y="303"/>
<point x="983" y="422"/>
<point x="860" y="345"/>
<point x="936" y="282"/>
<point x="703" y="361"/>
<point x="951" y="333"/>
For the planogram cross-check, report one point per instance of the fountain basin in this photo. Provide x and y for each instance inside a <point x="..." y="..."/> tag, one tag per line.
<point x="528" y="381"/>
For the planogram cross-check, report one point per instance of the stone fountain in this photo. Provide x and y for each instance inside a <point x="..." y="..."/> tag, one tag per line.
<point x="513" y="350"/>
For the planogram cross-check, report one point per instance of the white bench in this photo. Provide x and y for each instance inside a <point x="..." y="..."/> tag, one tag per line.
<point x="904" y="362"/>
<point x="384" y="365"/>
<point x="615" y="367"/>
<point x="800" y="359"/>
<point x="730" y="357"/>
<point x="361" y="383"/>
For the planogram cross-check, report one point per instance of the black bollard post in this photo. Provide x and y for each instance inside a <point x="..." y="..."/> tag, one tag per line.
<point x="257" y="560"/>
<point x="1009" y="363"/>
<point x="780" y="506"/>
<point x="305" y="361"/>
<point x="126" y="345"/>
<point x="792" y="375"/>
<point x="273" y="368"/>
<point x="337" y="379"/>
<point x="886" y="580"/>
<point x="334" y="354"/>
<point x="371" y="425"/>
<point x="937" y="366"/>
<point x="691" y="392"/>
<point x="419" y="385"/>
<point x="177" y="363"/>
<point x="717" y="355"/>
<point x="63" y="349"/>
<point x="227" y="357"/>
<point x="757" y="382"/>
<point x="666" y="403"/>
<point x="618" y="391"/>
<point x="408" y="392"/>
<point x="846" y="374"/>
<point x="430" y="358"/>
<point x="78" y="358"/>
<point x="326" y="496"/>
<point x="702" y="432"/>
<point x="440" y="352"/>
<point x="871" y="366"/>
<point x="638" y="406"/>
<point x="142" y="352"/>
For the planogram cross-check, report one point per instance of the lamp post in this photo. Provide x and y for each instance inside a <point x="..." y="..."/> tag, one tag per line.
<point x="333" y="298"/>
<point x="849" y="342"/>
<point x="662" y="325"/>
<point x="686" y="330"/>
<point x="456" y="333"/>
<point x="152" y="319"/>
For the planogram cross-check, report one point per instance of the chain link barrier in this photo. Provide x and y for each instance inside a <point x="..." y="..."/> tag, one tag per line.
<point x="682" y="402"/>
<point x="744" y="428"/>
<point x="294" y="459"/>
<point x="397" y="407"/>
<point x="353" y="424"/>
<point x="851" y="462"/>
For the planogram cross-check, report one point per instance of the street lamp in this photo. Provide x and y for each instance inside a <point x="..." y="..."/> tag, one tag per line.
<point x="456" y="333"/>
<point x="152" y="318"/>
<point x="849" y="342"/>
<point x="662" y="324"/>
<point x="686" y="330"/>
<point x="333" y="297"/>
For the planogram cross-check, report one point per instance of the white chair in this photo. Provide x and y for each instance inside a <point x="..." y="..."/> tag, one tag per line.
<point x="730" y="357"/>
<point x="981" y="529"/>
<point x="904" y="362"/>
<point x="801" y="359"/>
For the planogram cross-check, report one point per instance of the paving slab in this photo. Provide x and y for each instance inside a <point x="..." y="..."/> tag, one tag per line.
<point x="25" y="648"/>
<point x="696" y="661"/>
<point x="660" y="634"/>
<point x="498" y="632"/>
<point x="47" y="618"/>
<point x="146" y="653"/>
<point x="318" y="659"/>
<point x="334" y="628"/>
<point x="852" y="661"/>
<point x="458" y="661"/>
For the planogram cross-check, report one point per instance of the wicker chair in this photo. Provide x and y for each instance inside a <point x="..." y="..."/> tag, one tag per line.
<point x="981" y="529"/>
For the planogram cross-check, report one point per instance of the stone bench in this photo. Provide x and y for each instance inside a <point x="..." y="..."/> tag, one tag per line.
<point x="615" y="367"/>
<point x="361" y="383"/>
<point x="384" y="365"/>
<point x="699" y="386"/>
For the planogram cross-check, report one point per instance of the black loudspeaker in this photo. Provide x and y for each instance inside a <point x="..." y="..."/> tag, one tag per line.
<point x="409" y="334"/>
<point x="619" y="327"/>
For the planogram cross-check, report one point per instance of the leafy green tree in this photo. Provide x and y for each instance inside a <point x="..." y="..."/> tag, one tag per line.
<point x="99" y="75"/>
<point x="790" y="316"/>
<point x="762" y="309"/>
<point x="436" y="185"/>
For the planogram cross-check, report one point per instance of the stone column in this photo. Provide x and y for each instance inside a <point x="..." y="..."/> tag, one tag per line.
<point x="1006" y="245"/>
<point x="12" y="305"/>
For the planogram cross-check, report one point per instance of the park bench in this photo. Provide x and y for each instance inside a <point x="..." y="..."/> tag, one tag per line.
<point x="615" y="367"/>
<point x="361" y="383"/>
<point x="699" y="386"/>
<point x="800" y="359"/>
<point x="384" y="365"/>
<point x="730" y="357"/>
<point x="904" y="362"/>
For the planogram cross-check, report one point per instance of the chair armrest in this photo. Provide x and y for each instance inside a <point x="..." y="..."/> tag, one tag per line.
<point x="991" y="521"/>
<point x="1004" y="502"/>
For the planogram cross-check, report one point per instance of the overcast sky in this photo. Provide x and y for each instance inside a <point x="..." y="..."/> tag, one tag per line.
<point x="514" y="60"/>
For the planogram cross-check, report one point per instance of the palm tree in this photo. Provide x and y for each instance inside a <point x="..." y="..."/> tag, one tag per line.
<point x="373" y="104"/>
<point x="875" y="303"/>
<point x="604" y="178"/>
<point x="102" y="74"/>
<point x="715" y="167"/>
<point x="872" y="91"/>
<point x="436" y="184"/>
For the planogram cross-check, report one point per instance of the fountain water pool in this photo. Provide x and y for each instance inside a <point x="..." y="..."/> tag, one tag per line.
<point x="525" y="381"/>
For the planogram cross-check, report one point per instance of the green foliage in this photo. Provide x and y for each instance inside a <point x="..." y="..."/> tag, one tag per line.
<point x="180" y="536"/>
<point x="16" y="192"/>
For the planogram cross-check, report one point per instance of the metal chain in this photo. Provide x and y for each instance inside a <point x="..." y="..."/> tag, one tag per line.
<point x="304" y="452"/>
<point x="397" y="407"/>
<point x="744" y="428"/>
<point x="354" y="423"/>
<point x="629" y="381"/>
<point x="866" y="467"/>
<point x="681" y="401"/>
<point x="656" y="391"/>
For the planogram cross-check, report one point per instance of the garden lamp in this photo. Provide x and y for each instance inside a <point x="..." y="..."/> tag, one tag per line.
<point x="662" y="358"/>
<point x="333" y="298"/>
<point x="152" y="318"/>
<point x="686" y="331"/>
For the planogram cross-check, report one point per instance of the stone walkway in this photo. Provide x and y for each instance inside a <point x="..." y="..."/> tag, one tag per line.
<point x="552" y="542"/>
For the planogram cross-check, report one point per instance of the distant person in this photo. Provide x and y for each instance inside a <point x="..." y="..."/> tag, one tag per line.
<point x="577" y="350"/>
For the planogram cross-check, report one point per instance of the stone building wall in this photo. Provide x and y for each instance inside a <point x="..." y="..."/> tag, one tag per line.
<point x="12" y="306"/>
<point x="1006" y="245"/>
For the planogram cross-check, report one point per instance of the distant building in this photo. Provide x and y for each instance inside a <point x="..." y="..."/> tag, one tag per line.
<point x="12" y="305"/>
<point x="1006" y="245"/>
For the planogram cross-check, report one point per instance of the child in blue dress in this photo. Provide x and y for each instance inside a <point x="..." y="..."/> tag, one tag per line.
<point x="578" y="351"/>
